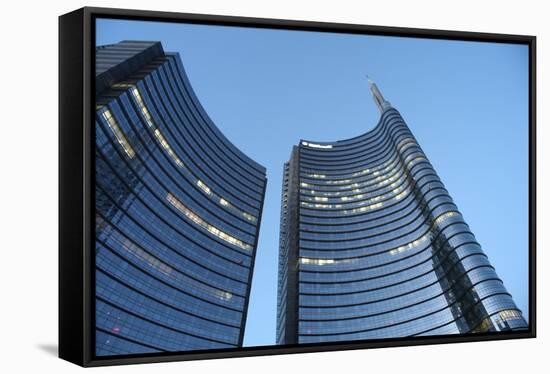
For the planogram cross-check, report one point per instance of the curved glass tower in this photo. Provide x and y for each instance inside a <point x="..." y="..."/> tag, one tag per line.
<point x="372" y="245"/>
<point x="178" y="211"/>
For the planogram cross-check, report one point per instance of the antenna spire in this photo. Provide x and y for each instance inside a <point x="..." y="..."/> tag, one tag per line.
<point x="381" y="103"/>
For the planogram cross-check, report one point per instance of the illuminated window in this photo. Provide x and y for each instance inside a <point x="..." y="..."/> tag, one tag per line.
<point x="122" y="85"/>
<point x="410" y="245"/>
<point x="319" y="176"/>
<point x="341" y="181"/>
<point x="424" y="237"/>
<point x="316" y="261"/>
<point x="224" y="295"/>
<point x="164" y="143"/>
<point x="210" y="228"/>
<point x="400" y="195"/>
<point x="509" y="314"/>
<point x="223" y="201"/>
<point x="249" y="216"/>
<point x="142" y="107"/>
<point x="363" y="208"/>
<point x="381" y="178"/>
<point x="149" y="259"/>
<point x="204" y="187"/>
<point x="339" y="206"/>
<point x="167" y="270"/>
<point x="397" y="193"/>
<point x="119" y="134"/>
<point x="324" y="261"/>
<point x="362" y="172"/>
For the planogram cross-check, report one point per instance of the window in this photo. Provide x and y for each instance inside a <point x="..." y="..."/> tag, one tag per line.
<point x="119" y="134"/>
<point x="210" y="228"/>
<point x="142" y="107"/>
<point x="164" y="143"/>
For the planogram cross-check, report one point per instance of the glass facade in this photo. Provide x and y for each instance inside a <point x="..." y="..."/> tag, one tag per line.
<point x="372" y="245"/>
<point x="177" y="211"/>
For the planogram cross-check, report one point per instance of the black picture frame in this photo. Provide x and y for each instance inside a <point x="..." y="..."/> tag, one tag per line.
<point x="76" y="181"/>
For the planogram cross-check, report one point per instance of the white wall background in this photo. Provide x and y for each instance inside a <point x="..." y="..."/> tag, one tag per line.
<point x="28" y="183"/>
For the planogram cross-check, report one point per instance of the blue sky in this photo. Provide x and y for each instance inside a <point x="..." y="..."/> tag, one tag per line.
<point x="465" y="102"/>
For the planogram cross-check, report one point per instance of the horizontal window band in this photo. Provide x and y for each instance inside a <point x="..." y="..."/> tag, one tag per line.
<point x="411" y="277"/>
<point x="181" y="149"/>
<point x="191" y="178"/>
<point x="358" y="142"/>
<point x="179" y="289"/>
<point x="136" y="315"/>
<point x="469" y="332"/>
<point x="346" y="271"/>
<point x="374" y="289"/>
<point x="378" y="253"/>
<point x="458" y="299"/>
<point x="371" y="158"/>
<point x="167" y="206"/>
<point x="406" y="321"/>
<point x="396" y="166"/>
<point x="406" y="181"/>
<point x="129" y="339"/>
<point x="415" y="187"/>
<point x="150" y="297"/>
<point x="374" y="225"/>
<point x="425" y="210"/>
<point x="397" y="170"/>
<point x="155" y="140"/>
<point x="199" y="221"/>
<point x="393" y="209"/>
<point x="425" y="207"/>
<point x="147" y="231"/>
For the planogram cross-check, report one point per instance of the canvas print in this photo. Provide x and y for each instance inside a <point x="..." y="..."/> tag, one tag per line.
<point x="263" y="187"/>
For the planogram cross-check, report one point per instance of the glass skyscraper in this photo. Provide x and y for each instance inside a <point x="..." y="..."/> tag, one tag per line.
<point x="178" y="211"/>
<point x="372" y="245"/>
